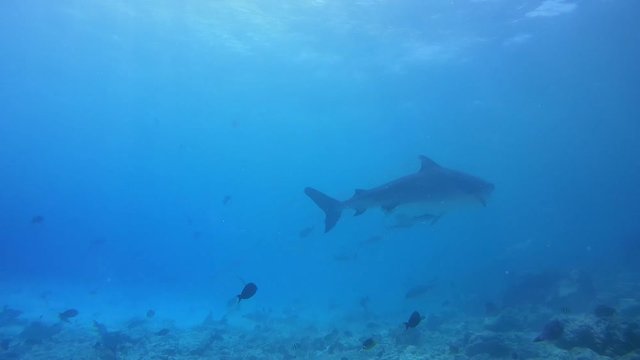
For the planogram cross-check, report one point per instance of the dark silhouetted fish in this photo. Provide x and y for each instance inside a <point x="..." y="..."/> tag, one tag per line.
<point x="226" y="199"/>
<point x="413" y="321"/>
<point x="364" y="302"/>
<point x="111" y="340"/>
<point x="162" y="332"/>
<point x="68" y="314"/>
<point x="9" y="316"/>
<point x="372" y="240"/>
<point x="248" y="291"/>
<point x="37" y="332"/>
<point x="134" y="323"/>
<point x="433" y="185"/>
<point x="37" y="219"/>
<point x="405" y="221"/>
<point x="151" y="313"/>
<point x="604" y="311"/>
<point x="305" y="232"/>
<point x="419" y="290"/>
<point x="346" y="257"/>
<point x="552" y="331"/>
<point x="97" y="244"/>
<point x="368" y="344"/>
<point x="258" y="316"/>
<point x="102" y="328"/>
<point x="491" y="309"/>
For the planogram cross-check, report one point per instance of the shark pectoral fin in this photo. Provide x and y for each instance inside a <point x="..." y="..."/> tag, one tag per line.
<point x="481" y="200"/>
<point x="426" y="218"/>
<point x="436" y="219"/>
<point x="389" y="208"/>
<point x="360" y="211"/>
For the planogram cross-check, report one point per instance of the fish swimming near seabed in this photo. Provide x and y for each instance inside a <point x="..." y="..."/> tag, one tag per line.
<point x="247" y="292"/>
<point x="9" y="316"/>
<point x="414" y="320"/>
<point x="552" y="331"/>
<point x="420" y="290"/>
<point x="431" y="185"/>
<point x="368" y="344"/>
<point x="305" y="232"/>
<point x="68" y="314"/>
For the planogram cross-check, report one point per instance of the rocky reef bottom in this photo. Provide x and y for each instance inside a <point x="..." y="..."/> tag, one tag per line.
<point x="514" y="333"/>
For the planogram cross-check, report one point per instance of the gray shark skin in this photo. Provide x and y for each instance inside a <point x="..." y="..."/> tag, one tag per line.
<point x="432" y="184"/>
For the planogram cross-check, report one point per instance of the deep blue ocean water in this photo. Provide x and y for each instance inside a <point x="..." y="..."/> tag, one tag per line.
<point x="125" y="125"/>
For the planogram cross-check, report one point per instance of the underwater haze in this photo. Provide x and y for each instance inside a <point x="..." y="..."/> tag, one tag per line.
<point x="166" y="169"/>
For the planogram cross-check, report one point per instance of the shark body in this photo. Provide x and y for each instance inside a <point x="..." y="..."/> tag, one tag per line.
<point x="432" y="185"/>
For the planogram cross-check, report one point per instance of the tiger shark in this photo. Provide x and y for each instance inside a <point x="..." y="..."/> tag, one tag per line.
<point x="433" y="187"/>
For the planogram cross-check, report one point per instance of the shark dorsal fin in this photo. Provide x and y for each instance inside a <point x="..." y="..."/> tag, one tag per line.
<point x="427" y="164"/>
<point x="358" y="192"/>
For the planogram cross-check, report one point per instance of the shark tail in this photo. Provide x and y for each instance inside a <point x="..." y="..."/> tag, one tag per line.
<point x="332" y="208"/>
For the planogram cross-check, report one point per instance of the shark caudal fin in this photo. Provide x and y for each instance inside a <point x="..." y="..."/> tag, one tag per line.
<point x="332" y="208"/>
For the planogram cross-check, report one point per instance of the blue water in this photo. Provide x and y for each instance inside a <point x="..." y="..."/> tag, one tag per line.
<point x="125" y="124"/>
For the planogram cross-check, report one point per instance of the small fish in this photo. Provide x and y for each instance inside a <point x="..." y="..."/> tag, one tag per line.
<point x="368" y="344"/>
<point x="419" y="290"/>
<point x="162" y="332"/>
<point x="346" y="257"/>
<point x="414" y="320"/>
<point x="604" y="311"/>
<point x="102" y="328"/>
<point x="8" y="315"/>
<point x="98" y="243"/>
<point x="405" y="221"/>
<point x="248" y="291"/>
<point x="68" y="314"/>
<point x="134" y="323"/>
<point x="226" y="199"/>
<point x="151" y="313"/>
<point x="372" y="240"/>
<point x="552" y="331"/>
<point x="364" y="302"/>
<point x="37" y="219"/>
<point x="491" y="309"/>
<point x="305" y="232"/>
